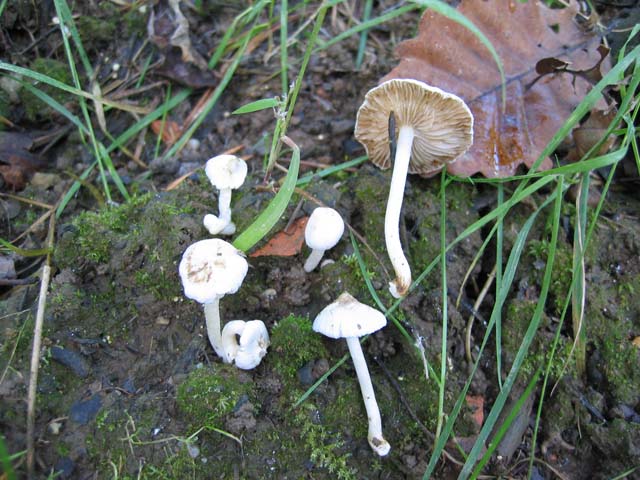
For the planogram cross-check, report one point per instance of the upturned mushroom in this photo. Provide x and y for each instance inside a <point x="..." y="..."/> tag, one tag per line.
<point x="323" y="231"/>
<point x="226" y="173"/>
<point x="245" y="343"/>
<point x="432" y="128"/>
<point x="209" y="270"/>
<point x="349" y="319"/>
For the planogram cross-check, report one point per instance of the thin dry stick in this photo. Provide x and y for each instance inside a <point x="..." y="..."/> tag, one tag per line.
<point x="476" y="306"/>
<point x="35" y="353"/>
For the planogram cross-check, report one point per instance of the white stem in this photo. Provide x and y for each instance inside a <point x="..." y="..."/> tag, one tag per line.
<point x="212" y="318"/>
<point x="402" y="281"/>
<point x="376" y="440"/>
<point x="224" y="205"/>
<point x="314" y="259"/>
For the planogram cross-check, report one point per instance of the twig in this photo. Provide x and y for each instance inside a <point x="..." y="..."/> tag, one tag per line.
<point x="35" y="353"/>
<point x="476" y="306"/>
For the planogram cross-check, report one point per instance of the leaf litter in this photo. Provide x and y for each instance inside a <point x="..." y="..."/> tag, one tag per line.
<point x="525" y="36"/>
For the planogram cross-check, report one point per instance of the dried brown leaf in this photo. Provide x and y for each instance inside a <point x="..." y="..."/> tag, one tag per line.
<point x="447" y="55"/>
<point x="286" y="243"/>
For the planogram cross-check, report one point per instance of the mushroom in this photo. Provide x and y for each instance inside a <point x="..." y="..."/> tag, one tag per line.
<point x="225" y="172"/>
<point x="433" y="128"/>
<point x="323" y="231"/>
<point x="209" y="270"/>
<point x="245" y="343"/>
<point x="349" y="319"/>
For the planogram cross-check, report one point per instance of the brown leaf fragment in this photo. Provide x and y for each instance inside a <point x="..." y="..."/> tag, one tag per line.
<point x="169" y="130"/>
<point x="587" y="135"/>
<point x="285" y="243"/>
<point x="448" y="56"/>
<point x="17" y="164"/>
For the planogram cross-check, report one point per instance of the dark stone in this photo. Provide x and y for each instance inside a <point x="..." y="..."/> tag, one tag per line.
<point x="64" y="468"/>
<point x="70" y="359"/>
<point x="84" y="411"/>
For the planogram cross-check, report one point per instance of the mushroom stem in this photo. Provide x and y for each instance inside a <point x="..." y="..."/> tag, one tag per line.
<point x="224" y="205"/>
<point x="212" y="318"/>
<point x="376" y="440"/>
<point x="314" y="259"/>
<point x="400" y="285"/>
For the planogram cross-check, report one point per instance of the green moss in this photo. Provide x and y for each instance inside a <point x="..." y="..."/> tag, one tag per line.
<point x="96" y="30"/>
<point x="36" y="109"/>
<point x="209" y="394"/>
<point x="293" y="344"/>
<point x="325" y="448"/>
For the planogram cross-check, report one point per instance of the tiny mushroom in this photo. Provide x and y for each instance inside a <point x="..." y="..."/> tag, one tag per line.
<point x="245" y="343"/>
<point x="432" y="128"/>
<point x="225" y="172"/>
<point x="349" y="319"/>
<point x="323" y="231"/>
<point x="209" y="270"/>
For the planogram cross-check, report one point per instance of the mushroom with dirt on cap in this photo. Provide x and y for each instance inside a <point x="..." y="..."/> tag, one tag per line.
<point x="432" y="128"/>
<point x="323" y="231"/>
<point x="226" y="173"/>
<point x="349" y="319"/>
<point x="209" y="270"/>
<point x="245" y="343"/>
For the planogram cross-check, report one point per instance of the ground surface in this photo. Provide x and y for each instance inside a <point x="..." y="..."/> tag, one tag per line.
<point x="129" y="385"/>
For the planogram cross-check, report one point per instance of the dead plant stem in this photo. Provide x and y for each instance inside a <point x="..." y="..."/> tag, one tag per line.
<point x="35" y="353"/>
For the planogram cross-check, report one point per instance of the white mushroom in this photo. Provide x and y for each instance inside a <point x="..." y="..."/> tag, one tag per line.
<point x="209" y="270"/>
<point x="225" y="172"/>
<point x="245" y="343"/>
<point x="323" y="231"/>
<point x="433" y="128"/>
<point x="349" y="319"/>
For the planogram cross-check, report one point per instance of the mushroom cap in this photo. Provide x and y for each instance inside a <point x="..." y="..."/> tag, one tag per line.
<point x="347" y="317"/>
<point x="226" y="171"/>
<point x="442" y="123"/>
<point x="324" y="229"/>
<point x="210" y="269"/>
<point x="254" y="342"/>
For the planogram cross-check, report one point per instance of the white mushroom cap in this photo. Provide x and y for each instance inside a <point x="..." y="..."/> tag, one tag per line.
<point x="347" y="317"/>
<point x="226" y="171"/>
<point x="324" y="229"/>
<point x="210" y="269"/>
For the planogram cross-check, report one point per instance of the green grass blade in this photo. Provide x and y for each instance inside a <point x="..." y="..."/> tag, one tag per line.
<point x="526" y="342"/>
<point x="452" y="14"/>
<point x="396" y="12"/>
<point x="308" y="178"/>
<point x="106" y="160"/>
<point x="55" y="105"/>
<point x="495" y="441"/>
<point x="217" y="93"/>
<point x="256" y="106"/>
<point x="5" y="458"/>
<point x="507" y="280"/>
<point x="366" y="15"/>
<point x="444" y="352"/>
<point x="284" y="59"/>
<point x="270" y="215"/>
<point x="579" y="284"/>
<point x="75" y="186"/>
<point x="35" y="252"/>
<point x="499" y="247"/>
<point x="144" y="122"/>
